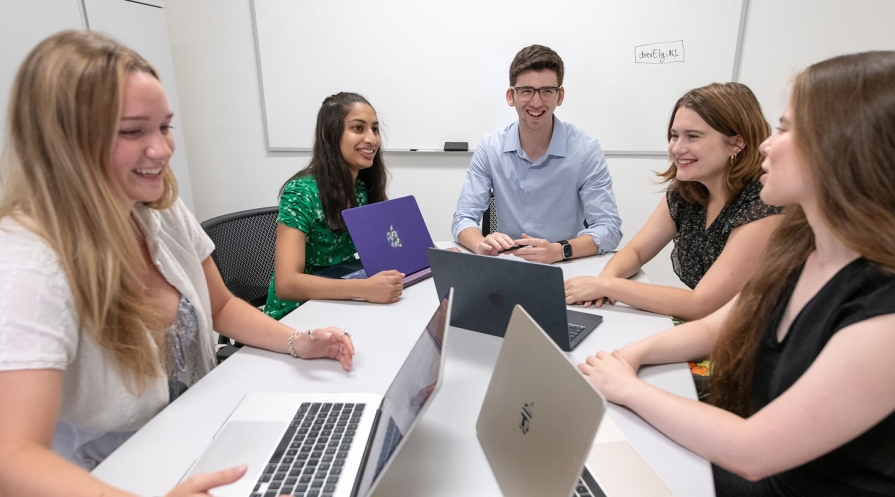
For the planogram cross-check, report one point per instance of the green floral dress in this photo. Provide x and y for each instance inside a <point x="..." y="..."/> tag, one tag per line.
<point x="300" y="208"/>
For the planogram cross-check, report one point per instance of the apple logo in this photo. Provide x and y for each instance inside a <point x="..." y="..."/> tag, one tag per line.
<point x="496" y="298"/>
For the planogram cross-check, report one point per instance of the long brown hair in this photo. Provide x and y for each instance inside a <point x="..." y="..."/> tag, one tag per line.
<point x="329" y="168"/>
<point x="732" y="110"/>
<point x="63" y="118"/>
<point x="843" y="113"/>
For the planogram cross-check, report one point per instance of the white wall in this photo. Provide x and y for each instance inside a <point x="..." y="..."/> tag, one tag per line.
<point x="213" y="46"/>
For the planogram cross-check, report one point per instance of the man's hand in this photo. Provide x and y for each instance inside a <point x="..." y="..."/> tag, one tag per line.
<point x="494" y="243"/>
<point x="538" y="250"/>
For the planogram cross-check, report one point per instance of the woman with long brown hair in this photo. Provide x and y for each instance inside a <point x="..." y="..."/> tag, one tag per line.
<point x="711" y="211"/>
<point x="802" y="379"/>
<point x="108" y="294"/>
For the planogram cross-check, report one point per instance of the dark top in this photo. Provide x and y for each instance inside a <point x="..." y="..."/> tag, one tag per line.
<point x="866" y="465"/>
<point x="697" y="248"/>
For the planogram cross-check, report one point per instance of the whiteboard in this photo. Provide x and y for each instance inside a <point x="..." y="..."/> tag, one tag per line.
<point x="438" y="72"/>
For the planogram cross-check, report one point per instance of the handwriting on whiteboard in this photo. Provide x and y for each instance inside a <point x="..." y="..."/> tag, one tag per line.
<point x="659" y="53"/>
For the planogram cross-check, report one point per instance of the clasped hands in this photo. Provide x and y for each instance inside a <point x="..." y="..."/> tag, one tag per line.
<point x="528" y="248"/>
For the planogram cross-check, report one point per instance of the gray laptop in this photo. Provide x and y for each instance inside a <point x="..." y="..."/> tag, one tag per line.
<point x="487" y="288"/>
<point x="320" y="444"/>
<point x="539" y="420"/>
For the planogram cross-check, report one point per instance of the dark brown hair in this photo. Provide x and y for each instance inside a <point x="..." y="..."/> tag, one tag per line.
<point x="536" y="58"/>
<point x="843" y="125"/>
<point x="329" y="167"/>
<point x="732" y="110"/>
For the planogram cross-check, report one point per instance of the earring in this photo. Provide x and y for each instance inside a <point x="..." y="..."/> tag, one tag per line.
<point x="733" y="158"/>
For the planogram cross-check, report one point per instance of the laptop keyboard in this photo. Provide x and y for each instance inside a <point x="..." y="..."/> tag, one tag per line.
<point x="311" y="455"/>
<point x="574" y="331"/>
<point x="587" y="486"/>
<point x="357" y="275"/>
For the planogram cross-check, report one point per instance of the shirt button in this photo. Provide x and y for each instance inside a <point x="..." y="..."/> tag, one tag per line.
<point x="528" y="194"/>
<point x="528" y="218"/>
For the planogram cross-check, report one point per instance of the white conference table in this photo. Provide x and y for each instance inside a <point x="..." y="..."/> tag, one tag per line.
<point x="443" y="456"/>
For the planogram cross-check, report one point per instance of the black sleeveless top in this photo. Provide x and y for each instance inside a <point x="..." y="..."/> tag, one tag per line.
<point x="866" y="465"/>
<point x="696" y="247"/>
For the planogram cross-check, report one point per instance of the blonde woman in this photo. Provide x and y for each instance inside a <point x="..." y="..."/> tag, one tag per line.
<point x="791" y="415"/>
<point x="108" y="296"/>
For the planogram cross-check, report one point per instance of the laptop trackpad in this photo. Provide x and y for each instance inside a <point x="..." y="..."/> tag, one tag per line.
<point x="241" y="442"/>
<point x="622" y="472"/>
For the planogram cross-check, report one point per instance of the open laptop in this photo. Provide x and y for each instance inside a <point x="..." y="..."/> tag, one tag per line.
<point x="327" y="444"/>
<point x="538" y="422"/>
<point x="487" y="288"/>
<point x="388" y="235"/>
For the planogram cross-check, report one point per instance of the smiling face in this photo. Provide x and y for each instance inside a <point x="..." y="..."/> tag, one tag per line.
<point x="360" y="138"/>
<point x="700" y="152"/>
<point x="535" y="114"/>
<point x="143" y="143"/>
<point x="784" y="180"/>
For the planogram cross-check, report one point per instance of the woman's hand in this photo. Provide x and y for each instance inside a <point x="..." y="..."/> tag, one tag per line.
<point x="199" y="485"/>
<point x="384" y="287"/>
<point x="611" y="374"/>
<point x="328" y="342"/>
<point x="587" y="290"/>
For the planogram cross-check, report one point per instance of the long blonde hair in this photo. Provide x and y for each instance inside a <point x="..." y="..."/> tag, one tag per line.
<point x="843" y="112"/>
<point x="63" y="118"/>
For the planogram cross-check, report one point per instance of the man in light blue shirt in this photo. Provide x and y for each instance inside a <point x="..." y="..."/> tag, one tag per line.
<point x="550" y="179"/>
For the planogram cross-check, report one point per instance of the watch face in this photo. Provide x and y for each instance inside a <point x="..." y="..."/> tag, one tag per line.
<point x="567" y="251"/>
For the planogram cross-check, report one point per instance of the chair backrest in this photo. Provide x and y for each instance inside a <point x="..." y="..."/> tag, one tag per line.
<point x="489" y="217"/>
<point x="244" y="251"/>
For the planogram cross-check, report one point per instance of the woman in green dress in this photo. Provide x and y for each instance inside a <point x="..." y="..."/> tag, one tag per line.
<point x="346" y="170"/>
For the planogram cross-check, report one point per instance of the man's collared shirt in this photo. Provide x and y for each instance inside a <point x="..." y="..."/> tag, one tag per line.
<point x="551" y="198"/>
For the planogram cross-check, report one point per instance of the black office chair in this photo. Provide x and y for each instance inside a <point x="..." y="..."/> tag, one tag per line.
<point x="244" y="253"/>
<point x="489" y="217"/>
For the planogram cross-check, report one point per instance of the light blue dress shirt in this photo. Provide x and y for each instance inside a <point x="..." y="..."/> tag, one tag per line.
<point x="547" y="199"/>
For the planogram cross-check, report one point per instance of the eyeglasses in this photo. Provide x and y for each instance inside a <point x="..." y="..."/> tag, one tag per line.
<point x="546" y="92"/>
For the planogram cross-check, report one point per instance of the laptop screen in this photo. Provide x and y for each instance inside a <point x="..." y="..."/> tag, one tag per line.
<point x="406" y="397"/>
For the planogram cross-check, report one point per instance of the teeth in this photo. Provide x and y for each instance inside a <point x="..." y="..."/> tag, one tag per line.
<point x="686" y="162"/>
<point x="149" y="172"/>
<point x="366" y="151"/>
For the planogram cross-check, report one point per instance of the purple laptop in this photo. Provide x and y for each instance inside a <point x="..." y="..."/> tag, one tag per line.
<point x="391" y="235"/>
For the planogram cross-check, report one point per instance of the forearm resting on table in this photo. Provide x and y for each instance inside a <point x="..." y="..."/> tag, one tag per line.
<point x="682" y="303"/>
<point x="238" y="320"/>
<point x="691" y="341"/>
<point x="299" y="286"/>
<point x="470" y="238"/>
<point x="32" y="469"/>
<point x="624" y="264"/>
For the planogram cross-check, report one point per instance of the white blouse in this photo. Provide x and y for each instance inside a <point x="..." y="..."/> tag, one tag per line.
<point x="39" y="330"/>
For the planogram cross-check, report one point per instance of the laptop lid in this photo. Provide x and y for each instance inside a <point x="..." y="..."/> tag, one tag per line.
<point x="254" y="431"/>
<point x="390" y="235"/>
<point x="486" y="289"/>
<point x="409" y="395"/>
<point x="539" y="416"/>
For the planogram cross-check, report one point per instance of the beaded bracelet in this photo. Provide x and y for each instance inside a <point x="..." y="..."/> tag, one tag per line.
<point x="292" y="338"/>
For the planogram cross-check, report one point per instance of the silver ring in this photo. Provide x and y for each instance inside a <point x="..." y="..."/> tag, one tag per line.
<point x="311" y="334"/>
<point x="345" y="333"/>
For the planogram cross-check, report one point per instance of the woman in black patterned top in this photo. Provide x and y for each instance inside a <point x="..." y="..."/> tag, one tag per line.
<point x="711" y="211"/>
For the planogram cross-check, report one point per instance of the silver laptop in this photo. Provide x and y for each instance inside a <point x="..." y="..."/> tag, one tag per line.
<point x="320" y="444"/>
<point x="539" y="420"/>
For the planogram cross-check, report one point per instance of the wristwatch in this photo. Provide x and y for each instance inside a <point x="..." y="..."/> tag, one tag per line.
<point x="566" y="249"/>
